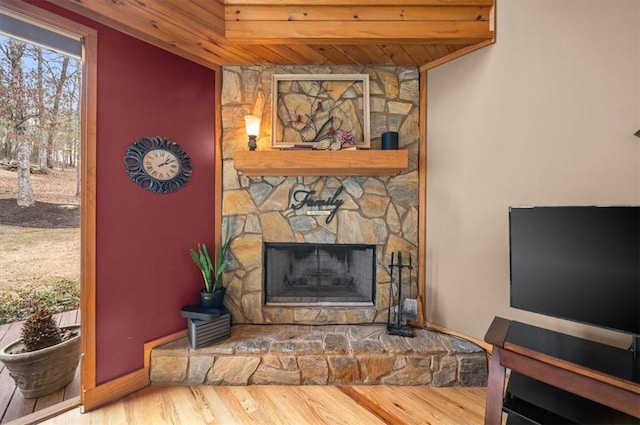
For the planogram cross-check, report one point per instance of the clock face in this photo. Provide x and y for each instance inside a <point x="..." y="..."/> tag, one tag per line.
<point x="158" y="165"/>
<point x="161" y="164"/>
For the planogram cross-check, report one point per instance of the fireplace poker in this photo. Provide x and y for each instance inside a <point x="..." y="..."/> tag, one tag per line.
<point x="399" y="328"/>
<point x="400" y="302"/>
<point x="390" y="291"/>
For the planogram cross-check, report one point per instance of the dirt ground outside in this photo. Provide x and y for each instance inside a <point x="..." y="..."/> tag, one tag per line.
<point x="39" y="245"/>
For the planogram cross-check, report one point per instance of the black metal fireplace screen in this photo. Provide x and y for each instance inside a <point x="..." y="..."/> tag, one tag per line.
<point x="319" y="274"/>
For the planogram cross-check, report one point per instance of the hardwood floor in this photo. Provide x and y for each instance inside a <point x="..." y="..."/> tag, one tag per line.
<point x="299" y="405"/>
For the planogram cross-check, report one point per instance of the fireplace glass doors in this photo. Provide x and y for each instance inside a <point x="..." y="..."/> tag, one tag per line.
<point x="319" y="274"/>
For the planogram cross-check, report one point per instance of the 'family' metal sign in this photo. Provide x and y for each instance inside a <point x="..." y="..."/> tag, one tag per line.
<point x="303" y="198"/>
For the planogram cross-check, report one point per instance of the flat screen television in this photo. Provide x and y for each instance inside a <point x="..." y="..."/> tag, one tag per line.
<point x="580" y="263"/>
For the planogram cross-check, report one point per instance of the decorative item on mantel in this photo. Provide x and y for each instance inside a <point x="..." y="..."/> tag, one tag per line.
<point x="252" y="124"/>
<point x="320" y="111"/>
<point x="390" y="140"/>
<point x="405" y="308"/>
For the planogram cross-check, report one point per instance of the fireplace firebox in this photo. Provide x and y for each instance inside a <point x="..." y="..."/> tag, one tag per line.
<point x="319" y="274"/>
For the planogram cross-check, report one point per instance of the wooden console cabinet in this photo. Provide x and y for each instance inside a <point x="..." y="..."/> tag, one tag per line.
<point x="557" y="378"/>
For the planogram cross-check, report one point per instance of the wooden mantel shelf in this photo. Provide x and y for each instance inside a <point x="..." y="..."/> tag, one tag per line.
<point x="322" y="163"/>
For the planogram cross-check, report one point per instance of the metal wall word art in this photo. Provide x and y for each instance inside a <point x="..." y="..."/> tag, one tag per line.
<point x="304" y="198"/>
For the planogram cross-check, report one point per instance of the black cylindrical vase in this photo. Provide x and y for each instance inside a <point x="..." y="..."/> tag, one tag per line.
<point x="390" y="140"/>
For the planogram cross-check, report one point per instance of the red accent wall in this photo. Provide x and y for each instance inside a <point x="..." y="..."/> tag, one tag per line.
<point x="144" y="271"/>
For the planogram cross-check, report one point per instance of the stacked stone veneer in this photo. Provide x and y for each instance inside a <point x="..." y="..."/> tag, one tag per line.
<point x="318" y="355"/>
<point x="382" y="211"/>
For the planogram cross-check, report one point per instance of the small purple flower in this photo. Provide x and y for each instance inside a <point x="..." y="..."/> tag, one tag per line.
<point x="346" y="138"/>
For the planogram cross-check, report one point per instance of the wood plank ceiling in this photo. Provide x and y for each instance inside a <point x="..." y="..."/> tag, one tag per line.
<point x="298" y="32"/>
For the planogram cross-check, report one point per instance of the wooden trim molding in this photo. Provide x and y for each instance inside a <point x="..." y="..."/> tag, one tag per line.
<point x="456" y="55"/>
<point x="117" y="388"/>
<point x="480" y="343"/>
<point x="160" y="341"/>
<point x="88" y="217"/>
<point x="422" y="198"/>
<point x="465" y="50"/>
<point x="113" y="390"/>
<point x="217" y="201"/>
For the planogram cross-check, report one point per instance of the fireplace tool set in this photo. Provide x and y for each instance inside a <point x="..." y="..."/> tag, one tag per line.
<point x="405" y="308"/>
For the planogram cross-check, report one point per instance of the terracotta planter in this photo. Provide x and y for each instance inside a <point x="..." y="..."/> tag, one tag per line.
<point x="41" y="372"/>
<point x="213" y="299"/>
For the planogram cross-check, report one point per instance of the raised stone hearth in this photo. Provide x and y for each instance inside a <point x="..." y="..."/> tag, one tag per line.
<point x="320" y="355"/>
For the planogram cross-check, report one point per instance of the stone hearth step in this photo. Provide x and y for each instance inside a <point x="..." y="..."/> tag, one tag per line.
<point x="320" y="355"/>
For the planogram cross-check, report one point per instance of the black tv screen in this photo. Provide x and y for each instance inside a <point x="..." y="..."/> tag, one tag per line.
<point x="577" y="263"/>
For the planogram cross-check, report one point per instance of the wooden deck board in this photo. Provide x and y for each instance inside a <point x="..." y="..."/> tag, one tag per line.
<point x="9" y="332"/>
<point x="12" y="404"/>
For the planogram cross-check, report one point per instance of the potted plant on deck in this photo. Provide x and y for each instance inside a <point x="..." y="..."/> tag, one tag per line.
<point x="45" y="359"/>
<point x="212" y="294"/>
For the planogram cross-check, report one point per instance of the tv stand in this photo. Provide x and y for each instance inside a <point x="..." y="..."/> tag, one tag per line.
<point x="556" y="378"/>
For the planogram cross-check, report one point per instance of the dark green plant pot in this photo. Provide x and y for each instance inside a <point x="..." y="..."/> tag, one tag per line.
<point x="213" y="299"/>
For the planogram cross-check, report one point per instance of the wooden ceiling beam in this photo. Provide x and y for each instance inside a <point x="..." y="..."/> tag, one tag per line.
<point x="361" y="2"/>
<point x="304" y="32"/>
<point x="356" y="13"/>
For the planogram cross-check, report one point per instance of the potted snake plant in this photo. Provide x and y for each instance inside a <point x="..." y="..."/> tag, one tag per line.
<point x="212" y="294"/>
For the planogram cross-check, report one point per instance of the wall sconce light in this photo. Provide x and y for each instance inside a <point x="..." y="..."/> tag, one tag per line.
<point x="252" y="124"/>
<point x="637" y="133"/>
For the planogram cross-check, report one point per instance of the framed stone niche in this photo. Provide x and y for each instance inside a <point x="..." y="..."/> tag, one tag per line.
<point x="320" y="111"/>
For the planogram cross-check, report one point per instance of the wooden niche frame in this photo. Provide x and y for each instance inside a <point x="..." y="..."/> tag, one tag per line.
<point x="320" y="111"/>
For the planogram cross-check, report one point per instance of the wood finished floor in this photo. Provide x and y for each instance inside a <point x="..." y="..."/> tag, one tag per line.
<point x="296" y="405"/>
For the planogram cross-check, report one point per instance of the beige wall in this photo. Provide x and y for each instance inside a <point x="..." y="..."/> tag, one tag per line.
<point x="545" y="116"/>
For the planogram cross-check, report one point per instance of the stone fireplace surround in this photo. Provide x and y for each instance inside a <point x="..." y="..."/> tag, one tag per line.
<point x="380" y="211"/>
<point x="318" y="345"/>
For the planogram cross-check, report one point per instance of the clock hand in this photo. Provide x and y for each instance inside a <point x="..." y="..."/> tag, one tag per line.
<point x="166" y="162"/>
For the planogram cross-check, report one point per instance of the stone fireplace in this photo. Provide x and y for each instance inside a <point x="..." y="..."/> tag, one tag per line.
<point x="334" y="260"/>
<point x="380" y="212"/>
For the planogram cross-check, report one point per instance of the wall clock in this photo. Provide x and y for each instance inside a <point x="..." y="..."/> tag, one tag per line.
<point x="158" y="165"/>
